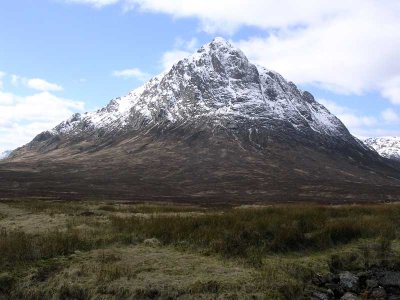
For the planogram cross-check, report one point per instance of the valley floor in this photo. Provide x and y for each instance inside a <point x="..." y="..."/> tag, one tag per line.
<point x="120" y="250"/>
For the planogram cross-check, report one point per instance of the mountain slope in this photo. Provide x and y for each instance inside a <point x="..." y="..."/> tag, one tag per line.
<point x="388" y="147"/>
<point x="213" y="127"/>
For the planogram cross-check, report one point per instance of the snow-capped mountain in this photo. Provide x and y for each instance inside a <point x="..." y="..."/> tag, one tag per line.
<point x="215" y="126"/>
<point x="217" y="85"/>
<point x="388" y="147"/>
<point x="5" y="154"/>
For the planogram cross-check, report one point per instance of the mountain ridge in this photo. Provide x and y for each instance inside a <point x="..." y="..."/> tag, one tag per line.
<point x="215" y="126"/>
<point x="386" y="146"/>
<point x="260" y="93"/>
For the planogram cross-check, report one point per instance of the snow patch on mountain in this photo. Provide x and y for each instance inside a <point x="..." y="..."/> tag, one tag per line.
<point x="388" y="147"/>
<point x="217" y="83"/>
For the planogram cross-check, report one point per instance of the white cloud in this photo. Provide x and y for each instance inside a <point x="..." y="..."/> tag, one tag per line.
<point x="15" y="79"/>
<point x="6" y="98"/>
<point x="189" y="45"/>
<point x="333" y="107"/>
<point x="348" y="47"/>
<point x="364" y="126"/>
<point x="16" y="135"/>
<point x="42" y="85"/>
<point x="182" y="48"/>
<point x="391" y="89"/>
<point x="95" y="3"/>
<point x="42" y="106"/>
<point x="23" y="117"/>
<point x="132" y="73"/>
<point x="35" y="83"/>
<point x="2" y="74"/>
<point x="376" y="132"/>
<point x="356" y="123"/>
<point x="228" y="15"/>
<point x="173" y="56"/>
<point x="353" y="53"/>
<point x="390" y="116"/>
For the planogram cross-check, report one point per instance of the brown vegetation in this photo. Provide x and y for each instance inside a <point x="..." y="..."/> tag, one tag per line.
<point x="110" y="249"/>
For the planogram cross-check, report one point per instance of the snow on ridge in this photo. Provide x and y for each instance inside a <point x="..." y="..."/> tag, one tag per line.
<point x="387" y="146"/>
<point x="216" y="81"/>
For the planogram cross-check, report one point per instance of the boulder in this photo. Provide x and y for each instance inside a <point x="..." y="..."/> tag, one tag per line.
<point x="153" y="242"/>
<point x="350" y="296"/>
<point x="349" y="282"/>
<point x="378" y="293"/>
<point x="322" y="295"/>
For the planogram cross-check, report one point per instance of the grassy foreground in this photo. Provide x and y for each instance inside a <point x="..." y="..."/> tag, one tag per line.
<point x="111" y="250"/>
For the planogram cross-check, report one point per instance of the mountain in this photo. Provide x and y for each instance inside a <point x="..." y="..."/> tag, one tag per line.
<point x="213" y="128"/>
<point x="5" y="154"/>
<point x="388" y="147"/>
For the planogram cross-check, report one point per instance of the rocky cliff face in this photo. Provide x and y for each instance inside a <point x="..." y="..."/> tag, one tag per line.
<point x="215" y="126"/>
<point x="388" y="147"/>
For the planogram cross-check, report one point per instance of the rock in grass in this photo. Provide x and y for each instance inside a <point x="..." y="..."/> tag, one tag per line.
<point x="322" y="295"/>
<point x="350" y="296"/>
<point x="378" y="293"/>
<point x="153" y="242"/>
<point x="349" y="282"/>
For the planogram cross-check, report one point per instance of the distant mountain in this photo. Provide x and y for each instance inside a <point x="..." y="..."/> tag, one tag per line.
<point x="5" y="154"/>
<point x="213" y="128"/>
<point x="388" y="147"/>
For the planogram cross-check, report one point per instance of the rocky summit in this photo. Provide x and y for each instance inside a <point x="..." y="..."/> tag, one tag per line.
<point x="215" y="127"/>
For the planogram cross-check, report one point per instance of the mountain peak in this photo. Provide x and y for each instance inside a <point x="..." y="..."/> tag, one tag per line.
<point x="222" y="53"/>
<point x="215" y="125"/>
<point x="220" y="42"/>
<point x="216" y="87"/>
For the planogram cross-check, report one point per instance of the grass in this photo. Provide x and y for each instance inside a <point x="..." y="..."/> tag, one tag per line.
<point x="149" y="208"/>
<point x="253" y="233"/>
<point x="105" y="249"/>
<point x="19" y="248"/>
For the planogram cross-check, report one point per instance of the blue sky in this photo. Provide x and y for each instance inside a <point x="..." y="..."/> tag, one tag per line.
<point x="58" y="57"/>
